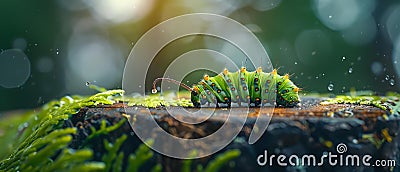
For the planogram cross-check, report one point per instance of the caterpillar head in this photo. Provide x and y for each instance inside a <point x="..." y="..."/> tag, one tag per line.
<point x="195" y="96"/>
<point x="289" y="96"/>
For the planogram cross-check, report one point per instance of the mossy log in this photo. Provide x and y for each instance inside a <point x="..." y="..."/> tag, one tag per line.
<point x="309" y="129"/>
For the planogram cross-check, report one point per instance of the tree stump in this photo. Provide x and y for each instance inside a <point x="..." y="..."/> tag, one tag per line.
<point x="311" y="129"/>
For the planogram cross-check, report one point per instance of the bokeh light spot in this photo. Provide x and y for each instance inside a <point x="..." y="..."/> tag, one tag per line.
<point x="20" y="43"/>
<point x="120" y="11"/>
<point x="15" y="68"/>
<point x="393" y="23"/>
<point x="337" y="14"/>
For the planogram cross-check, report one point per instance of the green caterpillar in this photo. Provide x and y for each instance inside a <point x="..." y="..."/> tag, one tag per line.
<point x="255" y="88"/>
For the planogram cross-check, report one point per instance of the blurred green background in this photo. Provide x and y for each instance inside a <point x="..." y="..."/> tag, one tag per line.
<point x="53" y="48"/>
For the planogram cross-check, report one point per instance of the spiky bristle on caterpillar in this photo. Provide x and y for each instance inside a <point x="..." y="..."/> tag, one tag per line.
<point x="254" y="88"/>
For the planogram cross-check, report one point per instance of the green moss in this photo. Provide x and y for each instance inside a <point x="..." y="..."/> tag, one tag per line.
<point x="388" y="103"/>
<point x="155" y="100"/>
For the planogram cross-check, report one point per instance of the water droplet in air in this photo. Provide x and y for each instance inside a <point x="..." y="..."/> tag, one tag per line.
<point x="387" y="77"/>
<point x="350" y="70"/>
<point x="343" y="58"/>
<point x="330" y="16"/>
<point x="87" y="83"/>
<point x="391" y="82"/>
<point x="295" y="63"/>
<point x="330" y="87"/>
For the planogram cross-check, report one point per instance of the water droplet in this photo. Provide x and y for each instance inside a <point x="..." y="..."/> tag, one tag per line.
<point x="295" y="63"/>
<point x="343" y="58"/>
<point x="330" y="87"/>
<point x="391" y="82"/>
<point x="387" y="77"/>
<point x="314" y="52"/>
<point x="350" y="70"/>
<point x="87" y="83"/>
<point x="140" y="86"/>
<point x="358" y="58"/>
<point x="330" y="16"/>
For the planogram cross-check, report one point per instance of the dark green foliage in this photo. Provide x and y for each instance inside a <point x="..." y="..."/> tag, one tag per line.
<point x="221" y="160"/>
<point x="43" y="140"/>
<point x="103" y="129"/>
<point x="142" y="154"/>
<point x="110" y="158"/>
<point x="214" y="165"/>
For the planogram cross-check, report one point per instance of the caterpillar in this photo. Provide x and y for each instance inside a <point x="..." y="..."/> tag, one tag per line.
<point x="255" y="88"/>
